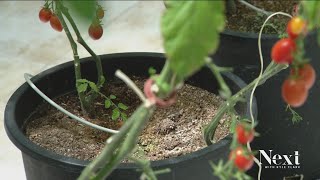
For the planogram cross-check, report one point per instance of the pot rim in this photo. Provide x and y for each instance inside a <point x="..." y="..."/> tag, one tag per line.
<point x="26" y="146"/>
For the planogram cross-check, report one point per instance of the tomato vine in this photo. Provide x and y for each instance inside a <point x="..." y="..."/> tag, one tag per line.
<point x="190" y="31"/>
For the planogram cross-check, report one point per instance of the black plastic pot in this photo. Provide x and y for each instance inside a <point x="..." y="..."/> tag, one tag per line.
<point x="41" y="164"/>
<point x="240" y="51"/>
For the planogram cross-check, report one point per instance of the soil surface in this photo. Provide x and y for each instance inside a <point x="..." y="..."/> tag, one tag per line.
<point x="245" y="19"/>
<point x="171" y="132"/>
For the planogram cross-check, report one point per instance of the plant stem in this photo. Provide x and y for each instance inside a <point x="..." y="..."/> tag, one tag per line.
<point x="225" y="91"/>
<point x="85" y="45"/>
<point x="125" y="140"/>
<point x="121" y="144"/>
<point x="167" y="81"/>
<point x="270" y="71"/>
<point x="145" y="166"/>
<point x="267" y="13"/>
<point x="76" y="61"/>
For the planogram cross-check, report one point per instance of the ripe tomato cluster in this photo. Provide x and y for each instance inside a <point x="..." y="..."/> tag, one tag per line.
<point x="241" y="157"/>
<point x="46" y="15"/>
<point x="302" y="76"/>
<point x="95" y="30"/>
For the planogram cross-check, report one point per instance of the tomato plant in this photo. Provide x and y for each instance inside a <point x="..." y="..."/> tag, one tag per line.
<point x="45" y="15"/>
<point x="242" y="159"/>
<point x="95" y="31"/>
<point x="55" y="23"/>
<point x="100" y="13"/>
<point x="294" y="91"/>
<point x="282" y="51"/>
<point x="295" y="27"/>
<point x="306" y="73"/>
<point x="244" y="133"/>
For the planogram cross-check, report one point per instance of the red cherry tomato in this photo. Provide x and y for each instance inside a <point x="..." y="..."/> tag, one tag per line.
<point x="242" y="160"/>
<point x="95" y="31"/>
<point x="307" y="74"/>
<point x="294" y="92"/>
<point x="100" y="13"/>
<point x="55" y="23"/>
<point x="244" y="134"/>
<point x="295" y="27"/>
<point x="282" y="51"/>
<point x="45" y="15"/>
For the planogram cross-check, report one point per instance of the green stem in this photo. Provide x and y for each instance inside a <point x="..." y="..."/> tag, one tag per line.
<point x="124" y="142"/>
<point x="225" y="91"/>
<point x="121" y="144"/>
<point x="145" y="166"/>
<point x="270" y="71"/>
<point x="76" y="61"/>
<point x="167" y="81"/>
<point x="85" y="45"/>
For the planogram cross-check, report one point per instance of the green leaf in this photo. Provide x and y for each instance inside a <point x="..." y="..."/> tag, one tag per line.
<point x="107" y="103"/>
<point x="93" y="86"/>
<point x="83" y="9"/>
<point x="191" y="31"/>
<point x="82" y="87"/>
<point x="82" y="81"/>
<point x="112" y="96"/>
<point x="296" y="118"/>
<point x="152" y="71"/>
<point x="124" y="116"/>
<point x="122" y="106"/>
<point x="115" y="114"/>
<point x="310" y="11"/>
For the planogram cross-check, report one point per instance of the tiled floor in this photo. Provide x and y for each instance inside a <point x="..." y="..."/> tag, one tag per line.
<point x="27" y="45"/>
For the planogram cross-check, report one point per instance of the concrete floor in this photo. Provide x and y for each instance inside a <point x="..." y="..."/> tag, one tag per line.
<point x="29" y="46"/>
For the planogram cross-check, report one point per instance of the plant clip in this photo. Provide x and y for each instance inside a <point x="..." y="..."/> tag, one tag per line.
<point x="154" y="99"/>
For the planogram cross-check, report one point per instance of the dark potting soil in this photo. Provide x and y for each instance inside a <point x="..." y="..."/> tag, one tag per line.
<point x="245" y="19"/>
<point x="171" y="132"/>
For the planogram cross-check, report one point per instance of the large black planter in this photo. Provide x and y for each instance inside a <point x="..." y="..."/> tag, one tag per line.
<point x="41" y="164"/>
<point x="240" y="51"/>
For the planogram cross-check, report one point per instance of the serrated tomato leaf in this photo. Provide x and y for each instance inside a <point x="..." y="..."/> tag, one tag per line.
<point x="82" y="87"/>
<point x="190" y="31"/>
<point x="124" y="116"/>
<point x="82" y="81"/>
<point x="122" y="106"/>
<point x="115" y="114"/>
<point x="93" y="86"/>
<point x="107" y="103"/>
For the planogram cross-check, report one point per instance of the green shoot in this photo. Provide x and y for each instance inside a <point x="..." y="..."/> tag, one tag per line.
<point x="296" y="118"/>
<point x="118" y="110"/>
